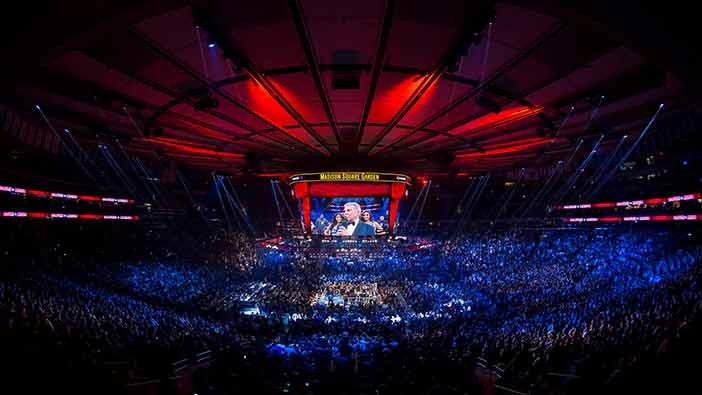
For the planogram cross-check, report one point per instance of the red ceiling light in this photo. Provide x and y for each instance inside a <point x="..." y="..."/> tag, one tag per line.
<point x="39" y="193"/>
<point x="388" y="103"/>
<point x="263" y="103"/>
<point x="194" y="150"/>
<point x="492" y="120"/>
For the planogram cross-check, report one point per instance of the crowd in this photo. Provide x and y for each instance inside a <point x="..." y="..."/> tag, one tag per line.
<point x="565" y="311"/>
<point x="235" y="251"/>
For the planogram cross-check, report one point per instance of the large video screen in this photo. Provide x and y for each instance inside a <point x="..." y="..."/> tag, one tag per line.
<point x="350" y="216"/>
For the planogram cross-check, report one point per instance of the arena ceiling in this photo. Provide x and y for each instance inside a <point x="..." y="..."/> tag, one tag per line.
<point x="420" y="86"/>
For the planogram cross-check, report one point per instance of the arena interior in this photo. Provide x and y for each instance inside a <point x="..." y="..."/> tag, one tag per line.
<point x="350" y="197"/>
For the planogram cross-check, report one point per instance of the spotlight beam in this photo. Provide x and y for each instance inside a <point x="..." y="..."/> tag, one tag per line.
<point x="600" y="172"/>
<point x="68" y="149"/>
<point x="613" y="171"/>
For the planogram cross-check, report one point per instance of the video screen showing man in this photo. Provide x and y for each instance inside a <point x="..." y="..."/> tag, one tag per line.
<point x="330" y="216"/>
<point x="354" y="226"/>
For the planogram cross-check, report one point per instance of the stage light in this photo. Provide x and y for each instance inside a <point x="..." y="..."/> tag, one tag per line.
<point x="210" y="45"/>
<point x="684" y="162"/>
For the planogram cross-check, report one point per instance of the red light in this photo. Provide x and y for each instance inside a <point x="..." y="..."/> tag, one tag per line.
<point x="184" y="148"/>
<point x="37" y="192"/>
<point x="603" y="205"/>
<point x="492" y="120"/>
<point x="387" y="104"/>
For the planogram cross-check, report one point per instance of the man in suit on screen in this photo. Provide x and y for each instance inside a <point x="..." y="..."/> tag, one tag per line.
<point x="356" y="227"/>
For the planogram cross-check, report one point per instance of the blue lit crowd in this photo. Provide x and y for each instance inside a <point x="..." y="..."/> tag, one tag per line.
<point x="566" y="311"/>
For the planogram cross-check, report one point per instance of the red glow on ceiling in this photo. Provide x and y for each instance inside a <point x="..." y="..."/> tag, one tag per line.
<point x="423" y="100"/>
<point x="262" y="103"/>
<point x="385" y="105"/>
<point x="501" y="118"/>
<point x="295" y="101"/>
<point x="181" y="147"/>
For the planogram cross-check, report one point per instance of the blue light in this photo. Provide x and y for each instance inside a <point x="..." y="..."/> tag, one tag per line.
<point x="684" y="162"/>
<point x="211" y="45"/>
